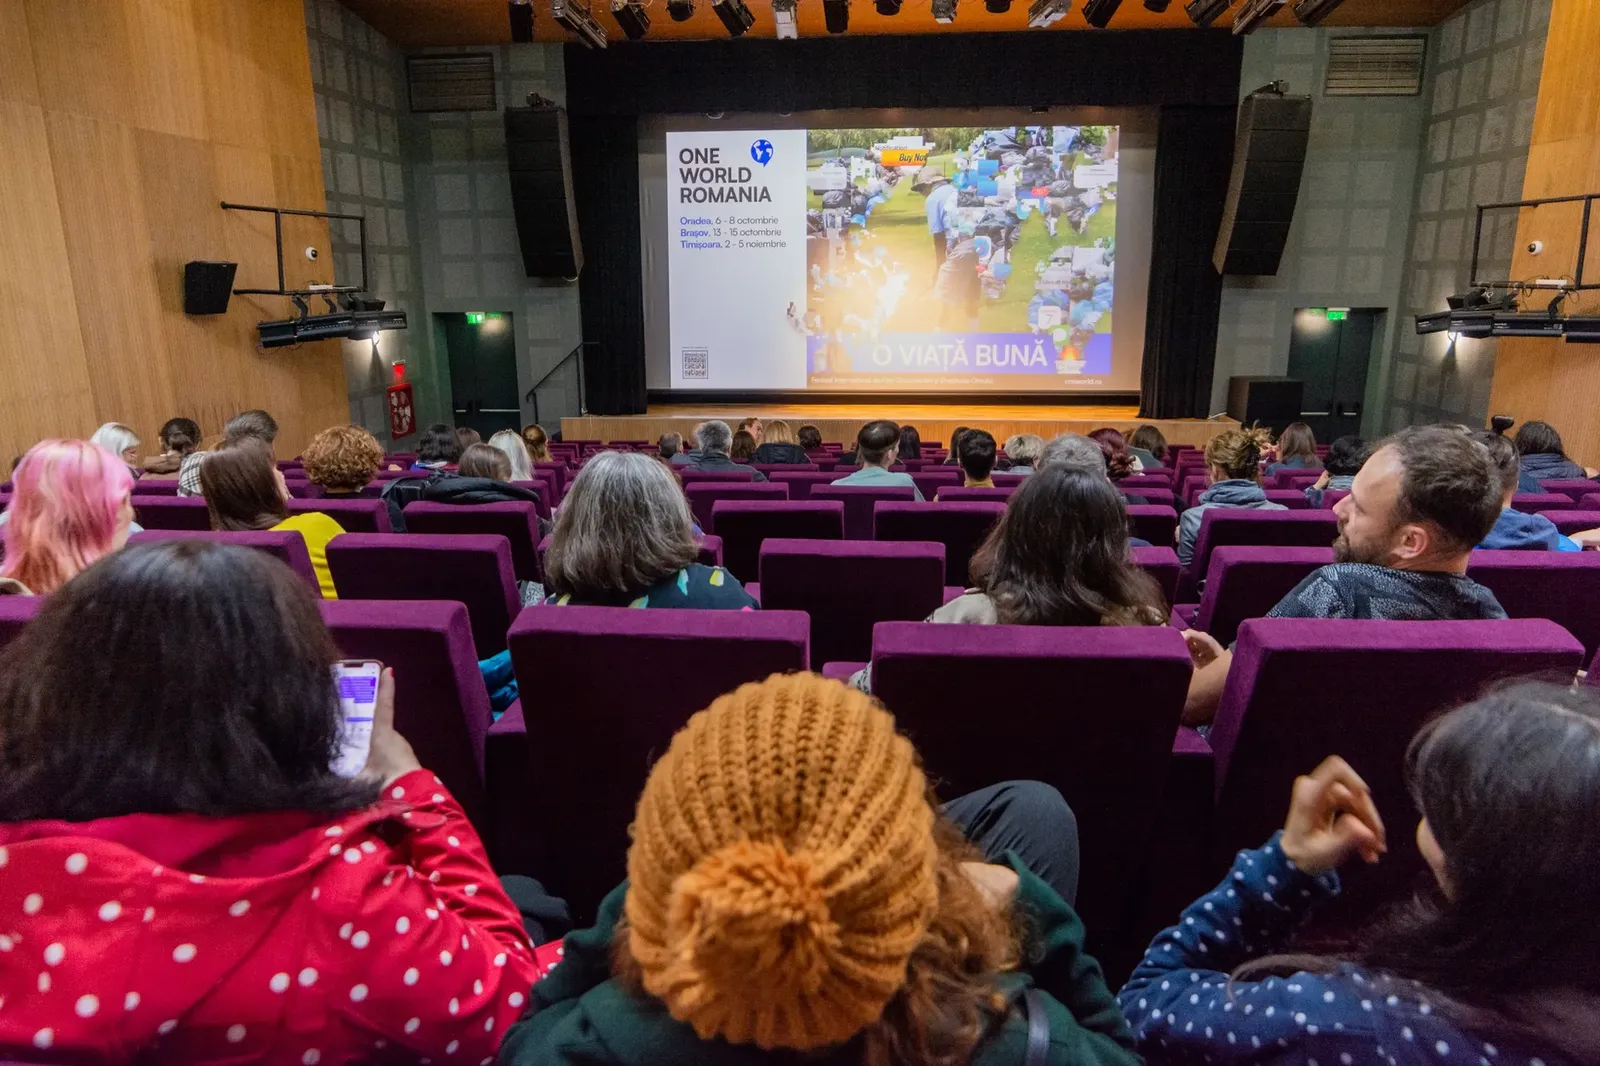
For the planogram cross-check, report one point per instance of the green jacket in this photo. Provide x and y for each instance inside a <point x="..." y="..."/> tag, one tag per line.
<point x="580" y="1017"/>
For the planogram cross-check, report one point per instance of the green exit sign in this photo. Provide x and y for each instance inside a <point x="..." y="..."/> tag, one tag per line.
<point x="1338" y="315"/>
<point x="475" y="318"/>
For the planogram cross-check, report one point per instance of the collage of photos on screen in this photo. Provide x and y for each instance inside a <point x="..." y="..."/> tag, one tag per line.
<point x="960" y="230"/>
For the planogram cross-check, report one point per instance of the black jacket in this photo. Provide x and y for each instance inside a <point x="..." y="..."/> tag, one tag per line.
<point x="443" y="487"/>
<point x="717" y="462"/>
<point x="781" y="453"/>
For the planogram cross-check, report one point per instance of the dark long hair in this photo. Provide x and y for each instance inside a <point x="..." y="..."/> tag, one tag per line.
<point x="910" y="443"/>
<point x="1510" y="785"/>
<point x="1539" y="438"/>
<point x="240" y="487"/>
<point x="438" y="445"/>
<point x="177" y="676"/>
<point x="1059" y="557"/>
<point x="1297" y="439"/>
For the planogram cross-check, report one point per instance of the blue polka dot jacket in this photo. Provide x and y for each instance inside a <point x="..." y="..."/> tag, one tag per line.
<point x="1183" y="1010"/>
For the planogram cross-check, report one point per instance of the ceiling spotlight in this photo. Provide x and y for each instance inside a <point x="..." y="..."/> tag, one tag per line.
<point x="735" y="16"/>
<point x="1254" y="13"/>
<point x="836" y="15"/>
<point x="521" y="12"/>
<point x="786" y="19"/>
<point x="1097" y="13"/>
<point x="680" y="10"/>
<point x="887" y="7"/>
<point x="1042" y="13"/>
<point x="578" y="22"/>
<point x="944" y="11"/>
<point x="997" y="7"/>
<point x="1205" y="12"/>
<point x="1158" y="6"/>
<point x="1312" y="12"/>
<point x="632" y="17"/>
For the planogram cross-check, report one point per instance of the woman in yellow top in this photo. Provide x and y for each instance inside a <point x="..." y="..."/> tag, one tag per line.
<point x="244" y="490"/>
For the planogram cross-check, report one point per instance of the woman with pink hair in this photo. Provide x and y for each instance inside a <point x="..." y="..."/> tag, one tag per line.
<point x="71" y="506"/>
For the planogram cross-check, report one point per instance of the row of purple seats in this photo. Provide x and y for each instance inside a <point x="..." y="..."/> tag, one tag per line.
<point x="710" y="551"/>
<point x="354" y="513"/>
<point x="1573" y="488"/>
<point x="1224" y="525"/>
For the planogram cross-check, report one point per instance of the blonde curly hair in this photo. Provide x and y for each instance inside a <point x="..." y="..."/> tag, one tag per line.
<point x="343" y="458"/>
<point x="1237" y="452"/>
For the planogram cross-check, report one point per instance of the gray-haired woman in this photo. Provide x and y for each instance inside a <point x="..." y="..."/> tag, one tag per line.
<point x="624" y="538"/>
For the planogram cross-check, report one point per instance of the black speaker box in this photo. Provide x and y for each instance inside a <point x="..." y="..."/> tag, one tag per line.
<point x="1268" y="159"/>
<point x="1272" y="402"/>
<point x="541" y="191"/>
<point x="207" y="287"/>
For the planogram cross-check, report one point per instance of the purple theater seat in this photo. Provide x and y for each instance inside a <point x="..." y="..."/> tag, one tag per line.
<point x="1332" y="496"/>
<point x="1561" y="586"/>
<point x="1161" y="563"/>
<point x="468" y="568"/>
<point x="441" y="705"/>
<point x="355" y="514"/>
<point x="785" y="468"/>
<point x="1151" y="497"/>
<point x="1303" y="689"/>
<point x="171" y="512"/>
<point x="1576" y="488"/>
<point x="960" y="527"/>
<point x="1240" y="525"/>
<point x="1570" y="522"/>
<point x="1290" y="478"/>
<point x="1005" y="480"/>
<point x="859" y="501"/>
<point x="557" y="471"/>
<point x="1154" y="523"/>
<point x="287" y="546"/>
<point x="703" y="498"/>
<point x="1138" y="483"/>
<point x="1247" y="582"/>
<point x="690" y="477"/>
<point x="1535" y="502"/>
<point x="1294" y="499"/>
<point x="801" y="482"/>
<point x="710" y="552"/>
<point x="932" y="479"/>
<point x="848" y="586"/>
<point x="619" y="684"/>
<point x="517" y="521"/>
<point x="169" y="487"/>
<point x="541" y="485"/>
<point x="1091" y="710"/>
<point x="16" y="612"/>
<point x="744" y="525"/>
<point x="959" y="494"/>
<point x="1190" y="488"/>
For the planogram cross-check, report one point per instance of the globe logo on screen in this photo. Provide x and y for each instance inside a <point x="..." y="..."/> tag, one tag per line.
<point x="761" y="151"/>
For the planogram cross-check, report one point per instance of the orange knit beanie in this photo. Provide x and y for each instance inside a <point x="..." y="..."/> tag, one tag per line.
<point x="782" y="866"/>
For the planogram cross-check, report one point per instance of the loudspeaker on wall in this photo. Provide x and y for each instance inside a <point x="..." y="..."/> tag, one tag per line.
<point x="1268" y="160"/>
<point x="207" y="287"/>
<point x="541" y="191"/>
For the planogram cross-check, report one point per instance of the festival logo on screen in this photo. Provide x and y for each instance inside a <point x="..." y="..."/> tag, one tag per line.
<point x="761" y="151"/>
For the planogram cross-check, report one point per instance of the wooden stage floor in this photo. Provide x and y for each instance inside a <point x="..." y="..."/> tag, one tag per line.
<point x="840" y="422"/>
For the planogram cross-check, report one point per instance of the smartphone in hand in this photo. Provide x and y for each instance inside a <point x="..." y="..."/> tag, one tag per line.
<point x="356" y="681"/>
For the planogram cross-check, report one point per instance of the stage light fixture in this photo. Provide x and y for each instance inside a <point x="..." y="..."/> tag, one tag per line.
<point x="1042" y="13"/>
<point x="1527" y="324"/>
<point x="836" y="15"/>
<point x="1583" y="329"/>
<point x="1204" y="12"/>
<point x="1158" y="6"/>
<point x="680" y="10"/>
<point x="1438" y="322"/>
<point x="735" y="16"/>
<point x="1312" y="12"/>
<point x="578" y="22"/>
<point x="997" y="7"/>
<point x="1098" y="13"/>
<point x="785" y="18"/>
<point x="887" y="7"/>
<point x="521" y="12"/>
<point x="632" y="17"/>
<point x="944" y="11"/>
<point x="1254" y="13"/>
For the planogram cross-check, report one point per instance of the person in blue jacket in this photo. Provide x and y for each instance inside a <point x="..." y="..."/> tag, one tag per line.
<point x="1497" y="962"/>
<point x="1517" y="530"/>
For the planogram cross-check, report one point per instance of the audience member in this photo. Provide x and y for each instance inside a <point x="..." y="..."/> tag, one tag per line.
<point x="1023" y="451"/>
<point x="715" y="439"/>
<point x="201" y="885"/>
<point x="245" y="491"/>
<point x="809" y="438"/>
<point x="70" y="506"/>
<point x="954" y="458"/>
<point x="120" y="441"/>
<point x="466" y="438"/>
<point x="1495" y="961"/>
<point x="515" y="449"/>
<point x="1233" y="466"/>
<point x="1148" y="446"/>
<point x="669" y="446"/>
<point x="438" y="449"/>
<point x="252" y="425"/>
<point x="690" y="452"/>
<point x="877" y="448"/>
<point x="977" y="456"/>
<point x="1296" y="450"/>
<point x="778" y="445"/>
<point x="538" y="443"/>
<point x="751" y="426"/>
<point x="1543" y="457"/>
<point x="1120" y="462"/>
<point x="1339" y="469"/>
<point x="910" y="443"/>
<point x="179" y="438"/>
<point x="484" y="461"/>
<point x="1514" y="529"/>
<point x="624" y="538"/>
<point x="341" y="460"/>
<point x="1406" y="534"/>
<point x="484" y="476"/>
<point x="1072" y="451"/>
<point x="743" y="446"/>
<point x="793" y="895"/>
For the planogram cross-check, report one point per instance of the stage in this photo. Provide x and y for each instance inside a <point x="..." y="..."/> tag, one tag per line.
<point x="840" y="422"/>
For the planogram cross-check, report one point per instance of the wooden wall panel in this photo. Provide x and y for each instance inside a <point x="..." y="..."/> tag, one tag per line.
<point x="123" y="125"/>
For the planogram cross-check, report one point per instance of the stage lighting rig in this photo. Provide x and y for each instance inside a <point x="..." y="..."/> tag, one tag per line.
<point x="944" y="11"/>
<point x="1312" y="12"/>
<point x="632" y="17"/>
<point x="1204" y="12"/>
<point x="1098" y="13"/>
<point x="786" y="19"/>
<point x="1042" y="13"/>
<point x="1158" y="6"/>
<point x="680" y="10"/>
<point x="1254" y="13"/>
<point x="997" y="7"/>
<point x="887" y="7"/>
<point x="521" y="12"/>
<point x="836" y="15"/>
<point x="735" y="16"/>
<point x="578" y="22"/>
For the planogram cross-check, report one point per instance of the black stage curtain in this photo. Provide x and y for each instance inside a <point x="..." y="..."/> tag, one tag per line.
<point x="605" y="168"/>
<point x="1194" y="159"/>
